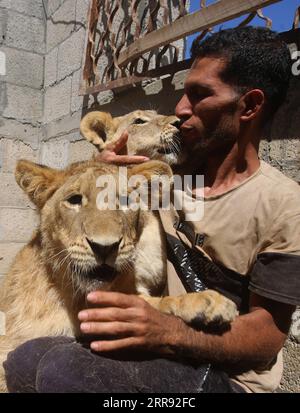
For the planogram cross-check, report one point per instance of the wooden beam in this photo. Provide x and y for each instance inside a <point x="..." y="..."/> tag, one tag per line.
<point x="205" y="18"/>
<point x="170" y="69"/>
<point x="113" y="84"/>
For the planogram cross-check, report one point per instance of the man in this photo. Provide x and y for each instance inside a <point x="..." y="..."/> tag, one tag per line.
<point x="250" y="229"/>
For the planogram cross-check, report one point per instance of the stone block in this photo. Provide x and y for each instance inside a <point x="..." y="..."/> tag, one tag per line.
<point x="29" y="7"/>
<point x="153" y="87"/>
<point x="179" y="79"/>
<point x="17" y="225"/>
<point x="82" y="8"/>
<point x="106" y="98"/>
<point x="61" y="24"/>
<point x="3" y="96"/>
<point x="276" y="150"/>
<point x="51" y="67"/>
<point x="55" y="153"/>
<point x="24" y="32"/>
<point x="23" y="68"/>
<point x="78" y="102"/>
<point x="12" y="195"/>
<point x="73" y="137"/>
<point x="62" y="127"/>
<point x="295" y="328"/>
<point x="8" y="252"/>
<point x="291" y="378"/>
<point x="23" y="103"/>
<point x="12" y="129"/>
<point x="3" y="24"/>
<point x="51" y="6"/>
<point x="70" y="54"/>
<point x="291" y="149"/>
<point x="58" y="100"/>
<point x="13" y="150"/>
<point x="264" y="150"/>
<point x="81" y="151"/>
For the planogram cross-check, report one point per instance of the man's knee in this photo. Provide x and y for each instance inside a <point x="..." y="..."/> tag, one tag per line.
<point x="68" y="368"/>
<point x="22" y="363"/>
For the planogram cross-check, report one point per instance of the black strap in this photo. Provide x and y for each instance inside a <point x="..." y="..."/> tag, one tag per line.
<point x="198" y="273"/>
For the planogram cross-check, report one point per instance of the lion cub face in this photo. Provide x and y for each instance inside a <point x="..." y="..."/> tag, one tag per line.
<point x="86" y="246"/>
<point x="149" y="134"/>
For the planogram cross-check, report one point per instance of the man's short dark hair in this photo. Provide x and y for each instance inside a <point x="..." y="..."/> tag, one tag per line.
<point x="256" y="58"/>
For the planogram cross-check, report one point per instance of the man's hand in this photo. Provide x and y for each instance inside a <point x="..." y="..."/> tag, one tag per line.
<point x="110" y="153"/>
<point x="132" y="321"/>
<point x="253" y="340"/>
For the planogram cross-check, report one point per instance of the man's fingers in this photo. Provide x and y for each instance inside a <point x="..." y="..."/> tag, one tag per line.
<point x="106" y="314"/>
<point x="111" y="299"/>
<point x="118" y="144"/>
<point x="111" y="157"/>
<point x="113" y="345"/>
<point x="113" y="328"/>
<point x="125" y="159"/>
<point x="110" y="153"/>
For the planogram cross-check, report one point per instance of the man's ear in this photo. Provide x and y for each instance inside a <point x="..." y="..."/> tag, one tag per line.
<point x="252" y="104"/>
<point x="97" y="127"/>
<point x="37" y="181"/>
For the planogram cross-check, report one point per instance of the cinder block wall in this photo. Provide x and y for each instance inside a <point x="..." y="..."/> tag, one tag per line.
<point x="22" y="40"/>
<point x="40" y="111"/>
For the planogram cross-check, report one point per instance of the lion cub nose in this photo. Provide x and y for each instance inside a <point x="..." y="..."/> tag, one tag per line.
<point x="103" y="251"/>
<point x="177" y="123"/>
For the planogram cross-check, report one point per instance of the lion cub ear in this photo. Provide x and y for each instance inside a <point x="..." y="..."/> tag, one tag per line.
<point x="97" y="127"/>
<point x="37" y="181"/>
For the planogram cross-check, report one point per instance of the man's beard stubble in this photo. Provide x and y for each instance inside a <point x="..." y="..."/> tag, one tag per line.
<point x="217" y="139"/>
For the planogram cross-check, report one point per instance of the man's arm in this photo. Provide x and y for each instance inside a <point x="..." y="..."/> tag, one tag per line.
<point x="253" y="340"/>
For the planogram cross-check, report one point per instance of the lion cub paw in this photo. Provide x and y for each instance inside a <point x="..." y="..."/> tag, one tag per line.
<point x="207" y="308"/>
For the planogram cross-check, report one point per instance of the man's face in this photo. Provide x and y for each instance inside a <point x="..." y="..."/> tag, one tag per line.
<point x="208" y="108"/>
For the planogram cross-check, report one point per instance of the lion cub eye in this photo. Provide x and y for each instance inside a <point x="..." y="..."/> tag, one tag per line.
<point x="139" y="121"/>
<point x="75" y="199"/>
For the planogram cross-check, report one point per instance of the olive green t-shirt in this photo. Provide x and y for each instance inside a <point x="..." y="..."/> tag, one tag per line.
<point x="252" y="233"/>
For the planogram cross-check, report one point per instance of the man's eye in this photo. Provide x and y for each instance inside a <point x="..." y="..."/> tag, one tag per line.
<point x="139" y="121"/>
<point x="75" y="199"/>
<point x="197" y="95"/>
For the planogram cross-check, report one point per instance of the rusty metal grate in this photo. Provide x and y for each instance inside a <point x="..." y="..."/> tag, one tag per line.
<point x="135" y="40"/>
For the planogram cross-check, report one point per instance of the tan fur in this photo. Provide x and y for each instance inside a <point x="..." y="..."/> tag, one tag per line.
<point x="158" y="138"/>
<point x="49" y="279"/>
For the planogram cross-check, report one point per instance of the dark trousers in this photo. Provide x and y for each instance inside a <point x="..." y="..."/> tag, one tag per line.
<point x="61" y="365"/>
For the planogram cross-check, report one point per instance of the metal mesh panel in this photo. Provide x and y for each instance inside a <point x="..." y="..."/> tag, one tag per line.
<point x="131" y="41"/>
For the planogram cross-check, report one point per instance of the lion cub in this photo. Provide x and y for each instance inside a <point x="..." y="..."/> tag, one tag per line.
<point x="149" y="134"/>
<point x="79" y="247"/>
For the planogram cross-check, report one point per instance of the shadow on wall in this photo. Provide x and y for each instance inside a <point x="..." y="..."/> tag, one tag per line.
<point x="286" y="124"/>
<point x="160" y="95"/>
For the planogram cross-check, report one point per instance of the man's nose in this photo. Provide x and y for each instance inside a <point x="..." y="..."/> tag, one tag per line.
<point x="183" y="108"/>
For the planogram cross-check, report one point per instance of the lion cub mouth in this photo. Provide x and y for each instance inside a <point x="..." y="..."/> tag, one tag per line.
<point x="102" y="272"/>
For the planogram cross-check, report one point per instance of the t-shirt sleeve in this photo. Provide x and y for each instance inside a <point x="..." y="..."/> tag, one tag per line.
<point x="276" y="271"/>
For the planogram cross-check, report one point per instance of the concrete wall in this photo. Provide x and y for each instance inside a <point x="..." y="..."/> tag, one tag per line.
<point x="40" y="111"/>
<point x="22" y="40"/>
